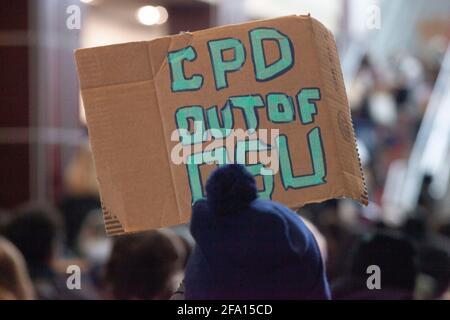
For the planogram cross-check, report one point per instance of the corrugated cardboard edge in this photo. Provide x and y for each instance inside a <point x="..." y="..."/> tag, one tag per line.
<point x="113" y="226"/>
<point x="112" y="223"/>
<point x="331" y="76"/>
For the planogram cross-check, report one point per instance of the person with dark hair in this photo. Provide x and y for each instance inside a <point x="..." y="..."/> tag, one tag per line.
<point x="433" y="255"/>
<point x="145" y="266"/>
<point x="396" y="259"/>
<point x="434" y="268"/>
<point x="37" y="231"/>
<point x="249" y="248"/>
<point x="444" y="230"/>
<point x="34" y="231"/>
<point x="80" y="196"/>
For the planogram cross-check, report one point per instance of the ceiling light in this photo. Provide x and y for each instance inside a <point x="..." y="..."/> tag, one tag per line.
<point x="163" y="14"/>
<point x="148" y="15"/>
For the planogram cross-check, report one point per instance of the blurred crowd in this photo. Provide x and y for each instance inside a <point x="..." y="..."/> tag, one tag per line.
<point x="39" y="241"/>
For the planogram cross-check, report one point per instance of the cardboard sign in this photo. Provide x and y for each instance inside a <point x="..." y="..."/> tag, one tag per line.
<point x="163" y="114"/>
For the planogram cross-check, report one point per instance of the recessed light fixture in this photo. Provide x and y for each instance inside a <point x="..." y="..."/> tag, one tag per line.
<point x="150" y="15"/>
<point x="163" y="14"/>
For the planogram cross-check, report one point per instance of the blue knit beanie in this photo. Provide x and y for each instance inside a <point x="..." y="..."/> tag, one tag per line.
<point x="249" y="248"/>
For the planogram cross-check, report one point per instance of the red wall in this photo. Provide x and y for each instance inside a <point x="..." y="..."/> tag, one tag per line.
<point x="14" y="103"/>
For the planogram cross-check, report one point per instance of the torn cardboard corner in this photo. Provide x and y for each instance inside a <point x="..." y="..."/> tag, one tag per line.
<point x="163" y="114"/>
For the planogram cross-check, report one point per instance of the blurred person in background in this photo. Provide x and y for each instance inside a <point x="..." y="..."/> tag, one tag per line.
<point x="81" y="194"/>
<point x="4" y="215"/>
<point x="340" y="223"/>
<point x="434" y="273"/>
<point x="444" y="229"/>
<point x="433" y="255"/>
<point x="145" y="266"/>
<point x="93" y="246"/>
<point x="37" y="232"/>
<point x="320" y="239"/>
<point x="15" y="282"/>
<point x="396" y="258"/>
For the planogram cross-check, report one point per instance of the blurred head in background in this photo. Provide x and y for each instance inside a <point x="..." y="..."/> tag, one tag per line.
<point x="92" y="242"/>
<point x="79" y="175"/>
<point x="434" y="268"/>
<point x="146" y="266"/>
<point x="15" y="283"/>
<point x="35" y="230"/>
<point x="394" y="259"/>
<point x="80" y="195"/>
<point x="395" y="256"/>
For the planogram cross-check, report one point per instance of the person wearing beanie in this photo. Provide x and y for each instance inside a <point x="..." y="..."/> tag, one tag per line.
<point x="250" y="248"/>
